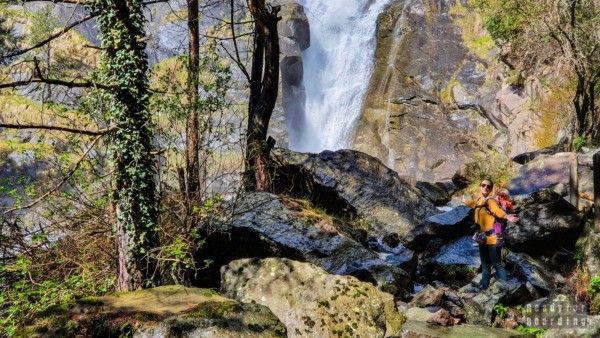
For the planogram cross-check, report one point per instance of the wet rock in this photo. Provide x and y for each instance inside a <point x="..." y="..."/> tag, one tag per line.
<point x="460" y="252"/>
<point x="294" y="24"/>
<point x="479" y="304"/>
<point x="350" y="182"/>
<point x="294" y="37"/>
<point x="264" y="227"/>
<point x="428" y="296"/>
<point x="442" y="317"/>
<point x="528" y="270"/>
<point x="545" y="219"/>
<point x="311" y="302"/>
<point x="406" y="133"/>
<point x="417" y="326"/>
<point x="430" y="109"/>
<point x="392" y="251"/>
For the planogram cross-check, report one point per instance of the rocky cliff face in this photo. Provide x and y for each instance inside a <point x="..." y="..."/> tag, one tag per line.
<point x="439" y="93"/>
<point x="294" y="37"/>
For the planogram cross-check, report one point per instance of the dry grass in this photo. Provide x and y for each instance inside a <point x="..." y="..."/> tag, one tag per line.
<point x="580" y="282"/>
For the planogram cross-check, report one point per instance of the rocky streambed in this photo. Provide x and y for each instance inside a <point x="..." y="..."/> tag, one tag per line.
<point x="345" y="247"/>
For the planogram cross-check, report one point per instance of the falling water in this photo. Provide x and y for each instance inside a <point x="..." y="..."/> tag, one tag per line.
<point x="337" y="69"/>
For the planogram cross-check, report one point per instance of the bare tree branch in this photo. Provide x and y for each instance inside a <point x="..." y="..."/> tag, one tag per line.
<point x="16" y="2"/>
<point x="238" y="60"/>
<point x="74" y="2"/>
<point x="59" y="128"/>
<point x="48" y="39"/>
<point x="37" y="77"/>
<point x="69" y="84"/>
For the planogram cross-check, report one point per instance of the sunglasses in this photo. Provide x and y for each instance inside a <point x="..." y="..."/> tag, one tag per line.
<point x="483" y="185"/>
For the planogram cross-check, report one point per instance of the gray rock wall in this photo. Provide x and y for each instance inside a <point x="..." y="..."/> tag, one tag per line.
<point x="439" y="93"/>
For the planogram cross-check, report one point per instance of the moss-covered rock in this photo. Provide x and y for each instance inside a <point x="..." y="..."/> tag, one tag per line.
<point x="167" y="311"/>
<point x="311" y="302"/>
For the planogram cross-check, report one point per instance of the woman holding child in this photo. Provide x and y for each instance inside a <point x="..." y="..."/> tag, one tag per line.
<point x="489" y="215"/>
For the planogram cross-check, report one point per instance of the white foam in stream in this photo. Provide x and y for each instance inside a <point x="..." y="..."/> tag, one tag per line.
<point x="337" y="70"/>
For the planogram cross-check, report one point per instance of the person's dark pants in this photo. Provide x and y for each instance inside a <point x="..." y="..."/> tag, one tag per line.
<point x="491" y="256"/>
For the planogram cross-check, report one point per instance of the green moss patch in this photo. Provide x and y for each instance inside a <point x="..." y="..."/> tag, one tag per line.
<point x="174" y="308"/>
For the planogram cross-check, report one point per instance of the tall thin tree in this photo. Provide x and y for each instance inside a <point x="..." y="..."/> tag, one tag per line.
<point x="192" y="123"/>
<point x="264" y="77"/>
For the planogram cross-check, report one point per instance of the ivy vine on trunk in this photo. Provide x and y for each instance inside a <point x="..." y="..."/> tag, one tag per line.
<point x="124" y="64"/>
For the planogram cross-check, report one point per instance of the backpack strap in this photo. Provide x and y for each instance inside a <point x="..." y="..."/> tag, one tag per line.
<point x="485" y="205"/>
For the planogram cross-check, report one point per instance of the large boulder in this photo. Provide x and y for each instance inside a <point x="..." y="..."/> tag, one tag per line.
<point x="453" y="223"/>
<point x="546" y="219"/>
<point x="544" y="171"/>
<point x="352" y="182"/>
<point x="552" y="170"/>
<point x="460" y="252"/>
<point x="311" y="302"/>
<point x="454" y="263"/>
<point x="294" y="24"/>
<point x="529" y="270"/>
<point x="479" y="305"/>
<point x="437" y="192"/>
<point x="263" y="226"/>
<point x="166" y="311"/>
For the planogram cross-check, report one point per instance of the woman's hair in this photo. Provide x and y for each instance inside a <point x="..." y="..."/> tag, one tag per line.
<point x="489" y="180"/>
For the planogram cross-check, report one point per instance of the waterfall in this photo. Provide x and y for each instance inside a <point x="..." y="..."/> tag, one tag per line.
<point x="337" y="70"/>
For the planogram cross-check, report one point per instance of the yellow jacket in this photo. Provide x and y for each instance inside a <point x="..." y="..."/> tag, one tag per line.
<point x="484" y="218"/>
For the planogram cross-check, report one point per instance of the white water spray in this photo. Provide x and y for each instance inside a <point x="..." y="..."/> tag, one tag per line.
<point x="337" y="70"/>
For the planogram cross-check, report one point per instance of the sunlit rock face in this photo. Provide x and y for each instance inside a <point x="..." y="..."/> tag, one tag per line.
<point x="439" y="93"/>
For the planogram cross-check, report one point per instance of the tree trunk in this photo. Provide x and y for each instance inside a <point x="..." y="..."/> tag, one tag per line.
<point x="124" y="64"/>
<point x="596" y="169"/>
<point x="592" y="131"/>
<point x="581" y="102"/>
<point x="192" y="123"/>
<point x="264" y="83"/>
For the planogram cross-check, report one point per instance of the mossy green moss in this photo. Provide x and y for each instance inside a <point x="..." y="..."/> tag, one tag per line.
<point x="474" y="35"/>
<point x="215" y="310"/>
<point x="446" y="95"/>
<point x="175" y="308"/>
